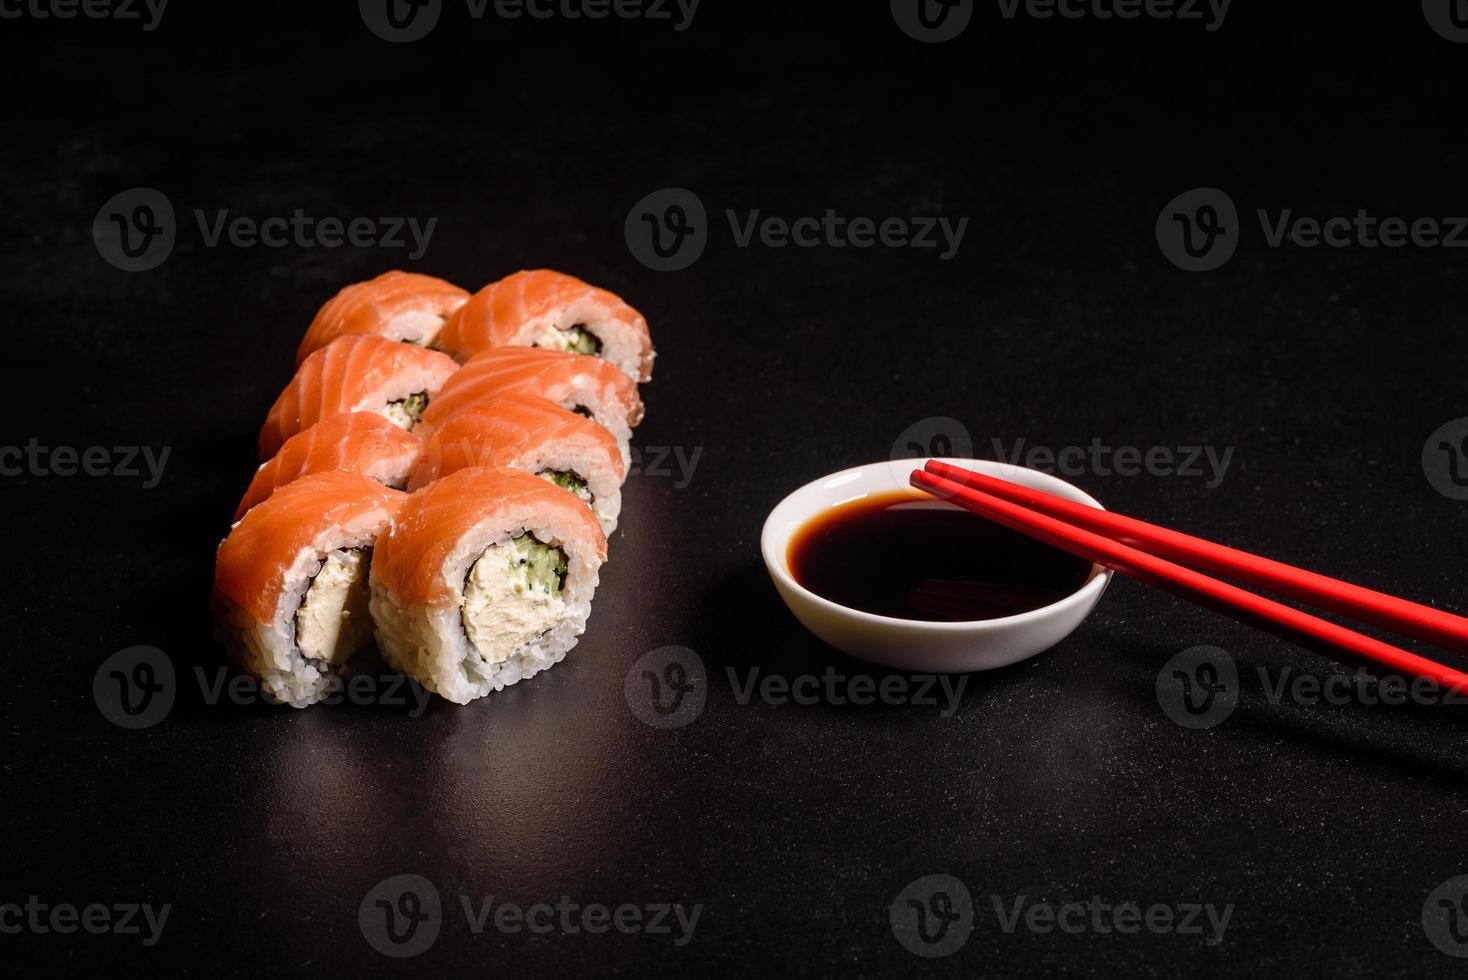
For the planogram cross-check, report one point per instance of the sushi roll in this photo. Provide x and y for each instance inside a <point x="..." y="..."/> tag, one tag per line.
<point x="523" y="432"/>
<point x="359" y="442"/>
<point x="356" y="373"/>
<point x="577" y="383"/>
<point x="486" y="578"/>
<point x="555" y="311"/>
<point x="291" y="582"/>
<point x="402" y="306"/>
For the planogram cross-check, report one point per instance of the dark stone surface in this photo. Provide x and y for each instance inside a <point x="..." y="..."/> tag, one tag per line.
<point x="1058" y="322"/>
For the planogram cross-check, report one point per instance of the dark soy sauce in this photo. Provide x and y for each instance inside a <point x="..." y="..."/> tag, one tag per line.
<point x="914" y="558"/>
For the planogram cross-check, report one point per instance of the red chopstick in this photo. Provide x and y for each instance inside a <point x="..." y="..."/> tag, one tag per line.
<point x="1284" y="621"/>
<point x="1435" y="626"/>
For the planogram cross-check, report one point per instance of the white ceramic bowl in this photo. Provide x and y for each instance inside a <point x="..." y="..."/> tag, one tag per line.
<point x="908" y="644"/>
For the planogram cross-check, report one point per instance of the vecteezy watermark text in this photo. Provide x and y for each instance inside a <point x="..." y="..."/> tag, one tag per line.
<point x="402" y="916"/>
<point x="147" y="12"/>
<point x="1210" y="12"/>
<point x="832" y="230"/>
<point x="1101" y="917"/>
<point x="1201" y="687"/>
<point x="570" y="917"/>
<point x="678" y="462"/>
<point x="668" y="688"/>
<point x="935" y="21"/>
<point x="97" y="919"/>
<point x="669" y="229"/>
<point x="1100" y="459"/>
<point x="34" y="459"/>
<point x="835" y="688"/>
<point x="306" y="231"/>
<point x="136" y="230"/>
<point x="402" y="21"/>
<point x="137" y="688"/>
<point x="941" y="436"/>
<point x="1199" y="230"/>
<point x="935" y="915"/>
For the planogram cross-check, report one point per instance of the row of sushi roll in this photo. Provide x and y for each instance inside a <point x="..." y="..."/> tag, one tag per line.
<point x="439" y="477"/>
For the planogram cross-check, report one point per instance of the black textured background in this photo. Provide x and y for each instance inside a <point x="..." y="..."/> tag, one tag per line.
<point x="1059" y="321"/>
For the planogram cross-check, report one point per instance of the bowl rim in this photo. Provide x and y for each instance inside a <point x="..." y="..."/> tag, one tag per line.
<point x="774" y="542"/>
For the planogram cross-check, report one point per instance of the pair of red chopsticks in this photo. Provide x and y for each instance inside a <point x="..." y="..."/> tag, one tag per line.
<point x="1150" y="554"/>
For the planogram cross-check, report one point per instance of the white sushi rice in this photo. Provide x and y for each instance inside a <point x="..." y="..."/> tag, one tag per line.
<point x="431" y="644"/>
<point x="269" y="651"/>
<point x="585" y="460"/>
<point x="606" y="506"/>
<point x="605" y="408"/>
<point x="418" y="327"/>
<point x="620" y="344"/>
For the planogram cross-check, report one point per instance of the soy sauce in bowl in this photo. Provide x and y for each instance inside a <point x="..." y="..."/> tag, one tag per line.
<point x="910" y="557"/>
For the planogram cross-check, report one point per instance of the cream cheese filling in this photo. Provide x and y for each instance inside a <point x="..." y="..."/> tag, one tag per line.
<point x="332" y="622"/>
<point x="512" y="596"/>
<point x="406" y="413"/>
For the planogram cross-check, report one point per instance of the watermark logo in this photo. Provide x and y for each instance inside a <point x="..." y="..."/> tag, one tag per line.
<point x="135" y="230"/>
<point x="1445" y="917"/>
<point x="667" y="687"/>
<point x="941" y="436"/>
<point x="1445" y="459"/>
<point x="1449" y="18"/>
<point x="400" y="21"/>
<point x="1199" y="229"/>
<point x="937" y="436"/>
<point x="932" y="21"/>
<point x="667" y="230"/>
<point x="404" y="915"/>
<point x="933" y="916"/>
<point x="401" y="916"/>
<point x="1199" y="687"/>
<point x="135" y="688"/>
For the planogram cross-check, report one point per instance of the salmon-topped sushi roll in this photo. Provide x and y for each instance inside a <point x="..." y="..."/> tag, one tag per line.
<point x="576" y="382"/>
<point x="555" y="311"/>
<point x="356" y="373"/>
<point x="523" y="432"/>
<point x="486" y="578"/>
<point x="359" y="442"/>
<point x="291" y="582"/>
<point x="402" y="306"/>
